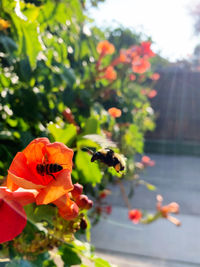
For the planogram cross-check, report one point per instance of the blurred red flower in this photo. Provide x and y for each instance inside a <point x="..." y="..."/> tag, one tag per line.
<point x="12" y="214"/>
<point x="110" y="74"/>
<point x="104" y="193"/>
<point x="145" y="49"/>
<point x="172" y="207"/>
<point x="152" y="93"/>
<point x="155" y="76"/>
<point x="135" y="215"/>
<point x="115" y="112"/>
<point x="140" y="65"/>
<point x="146" y="161"/>
<point x="132" y="77"/>
<point x="105" y="48"/>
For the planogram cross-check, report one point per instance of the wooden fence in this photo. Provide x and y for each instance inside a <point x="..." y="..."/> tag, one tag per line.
<point x="177" y="107"/>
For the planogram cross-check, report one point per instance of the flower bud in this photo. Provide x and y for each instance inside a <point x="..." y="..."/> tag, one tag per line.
<point x="77" y="191"/>
<point x="89" y="204"/>
<point x="83" y="202"/>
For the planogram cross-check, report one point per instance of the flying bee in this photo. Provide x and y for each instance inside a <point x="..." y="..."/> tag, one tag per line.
<point x="48" y="169"/>
<point x="108" y="157"/>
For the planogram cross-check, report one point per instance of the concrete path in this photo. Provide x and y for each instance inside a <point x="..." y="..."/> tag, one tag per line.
<point x="159" y="244"/>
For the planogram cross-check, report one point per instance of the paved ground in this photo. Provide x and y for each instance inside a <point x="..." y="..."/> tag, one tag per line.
<point x="160" y="244"/>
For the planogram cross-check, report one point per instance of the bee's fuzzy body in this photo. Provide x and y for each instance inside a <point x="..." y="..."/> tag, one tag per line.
<point x="110" y="158"/>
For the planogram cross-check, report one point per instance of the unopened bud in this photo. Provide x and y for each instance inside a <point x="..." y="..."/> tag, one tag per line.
<point x="77" y="191"/>
<point x="89" y="204"/>
<point x="83" y="202"/>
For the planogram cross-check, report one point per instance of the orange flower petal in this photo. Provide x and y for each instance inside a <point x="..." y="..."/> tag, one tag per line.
<point x="24" y="197"/>
<point x="56" y="188"/>
<point x="34" y="151"/>
<point x="21" y="182"/>
<point x="140" y="65"/>
<point x="70" y="213"/>
<point x="20" y="168"/>
<point x="10" y="184"/>
<point x="110" y="74"/>
<point x="60" y="154"/>
<point x="114" y="112"/>
<point x="105" y="47"/>
<point x="68" y="209"/>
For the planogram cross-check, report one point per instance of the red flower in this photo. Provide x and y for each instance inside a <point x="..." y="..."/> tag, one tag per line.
<point x="146" y="49"/>
<point x="110" y="74"/>
<point x="115" y="112"/>
<point x="132" y="77"/>
<point x="105" y="48"/>
<point x="12" y="214"/>
<point x="122" y="58"/>
<point x="135" y="215"/>
<point x="155" y="76"/>
<point x="140" y="65"/>
<point x="146" y="161"/>
<point x="152" y="93"/>
<point x="23" y="170"/>
<point x="104" y="193"/>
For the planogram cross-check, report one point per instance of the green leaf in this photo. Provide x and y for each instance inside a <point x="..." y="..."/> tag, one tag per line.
<point x="69" y="256"/>
<point x="44" y="260"/>
<point x="69" y="76"/>
<point x="101" y="263"/>
<point x="28" y="38"/>
<point x="64" y="135"/>
<point x="11" y="122"/>
<point x="24" y="69"/>
<point x="133" y="138"/>
<point x="8" y="44"/>
<point x="31" y="12"/>
<point x="40" y="213"/>
<point x="92" y="125"/>
<point x="89" y="172"/>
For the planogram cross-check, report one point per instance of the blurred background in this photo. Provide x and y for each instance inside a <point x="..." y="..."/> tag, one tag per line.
<point x="174" y="144"/>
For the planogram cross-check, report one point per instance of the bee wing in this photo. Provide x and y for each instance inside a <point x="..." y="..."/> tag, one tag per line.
<point x="86" y="149"/>
<point x="101" y="140"/>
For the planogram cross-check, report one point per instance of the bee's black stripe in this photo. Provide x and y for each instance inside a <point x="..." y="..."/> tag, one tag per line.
<point x="51" y="168"/>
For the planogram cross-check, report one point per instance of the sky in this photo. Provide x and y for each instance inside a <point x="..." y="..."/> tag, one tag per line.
<point x="168" y="22"/>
